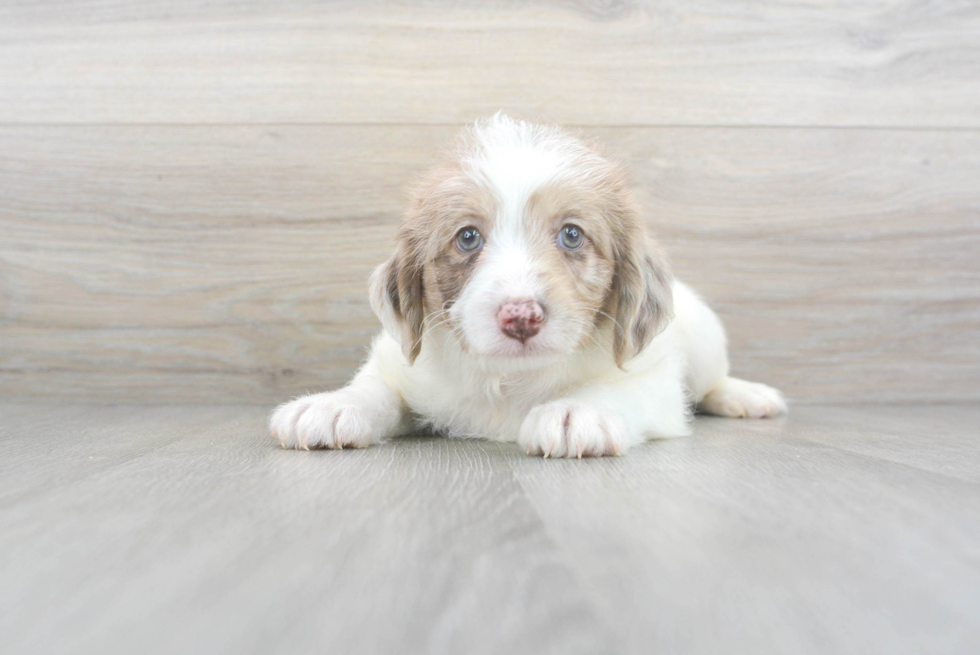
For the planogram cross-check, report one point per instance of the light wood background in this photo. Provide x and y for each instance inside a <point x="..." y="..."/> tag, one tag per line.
<point x="192" y="196"/>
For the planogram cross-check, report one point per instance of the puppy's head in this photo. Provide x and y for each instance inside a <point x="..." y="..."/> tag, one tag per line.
<point x="526" y="245"/>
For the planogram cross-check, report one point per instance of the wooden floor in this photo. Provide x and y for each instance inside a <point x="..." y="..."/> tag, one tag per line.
<point x="185" y="530"/>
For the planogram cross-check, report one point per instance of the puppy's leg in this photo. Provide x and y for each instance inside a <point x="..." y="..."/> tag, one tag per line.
<point x="742" y="399"/>
<point x="702" y="338"/>
<point x="364" y="412"/>
<point x="606" y="419"/>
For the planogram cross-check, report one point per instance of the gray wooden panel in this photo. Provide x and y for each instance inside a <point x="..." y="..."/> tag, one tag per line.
<point x="129" y="529"/>
<point x="714" y="62"/>
<point x="749" y="537"/>
<point x="218" y="541"/>
<point x="939" y="438"/>
<point x="164" y="264"/>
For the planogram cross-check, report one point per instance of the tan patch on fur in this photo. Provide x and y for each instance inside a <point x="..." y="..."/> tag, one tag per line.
<point x="577" y="280"/>
<point x="617" y="278"/>
<point x="428" y="272"/>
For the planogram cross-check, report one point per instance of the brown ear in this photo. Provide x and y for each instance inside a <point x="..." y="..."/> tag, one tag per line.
<point x="644" y="302"/>
<point x="397" y="299"/>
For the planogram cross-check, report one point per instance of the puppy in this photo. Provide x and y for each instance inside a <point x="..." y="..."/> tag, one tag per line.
<point x="524" y="302"/>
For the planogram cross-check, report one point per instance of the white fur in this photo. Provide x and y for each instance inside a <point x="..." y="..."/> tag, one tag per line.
<point x="553" y="400"/>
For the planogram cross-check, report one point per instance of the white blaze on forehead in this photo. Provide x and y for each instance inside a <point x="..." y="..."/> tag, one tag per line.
<point x="512" y="159"/>
<point x="513" y="174"/>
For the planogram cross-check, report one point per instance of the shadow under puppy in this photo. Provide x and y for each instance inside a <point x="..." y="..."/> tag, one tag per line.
<point x="524" y="302"/>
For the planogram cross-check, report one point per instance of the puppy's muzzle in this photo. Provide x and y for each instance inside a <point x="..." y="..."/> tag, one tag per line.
<point x="520" y="319"/>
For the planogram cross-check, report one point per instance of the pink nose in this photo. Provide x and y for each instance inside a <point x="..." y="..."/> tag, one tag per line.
<point x="520" y="319"/>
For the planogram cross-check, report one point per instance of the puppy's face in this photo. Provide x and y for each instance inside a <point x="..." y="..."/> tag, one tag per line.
<point x="525" y="246"/>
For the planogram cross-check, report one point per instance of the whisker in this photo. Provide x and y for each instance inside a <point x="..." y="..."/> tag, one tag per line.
<point x="611" y="318"/>
<point x="441" y="317"/>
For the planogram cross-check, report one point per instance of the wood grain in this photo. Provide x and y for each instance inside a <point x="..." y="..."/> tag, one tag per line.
<point x="186" y="529"/>
<point x="759" y="539"/>
<point x="164" y="539"/>
<point x="710" y="62"/>
<point x="230" y="263"/>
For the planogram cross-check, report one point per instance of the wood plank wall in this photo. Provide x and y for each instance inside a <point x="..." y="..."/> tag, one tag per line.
<point x="193" y="194"/>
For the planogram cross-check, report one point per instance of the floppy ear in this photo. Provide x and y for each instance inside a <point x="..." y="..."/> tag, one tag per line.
<point x="397" y="299"/>
<point x="644" y="302"/>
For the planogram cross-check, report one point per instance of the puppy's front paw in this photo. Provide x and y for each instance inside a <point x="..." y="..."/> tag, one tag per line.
<point x="325" y="420"/>
<point x="565" y="428"/>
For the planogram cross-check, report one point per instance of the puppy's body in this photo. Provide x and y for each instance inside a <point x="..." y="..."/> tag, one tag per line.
<point x="525" y="303"/>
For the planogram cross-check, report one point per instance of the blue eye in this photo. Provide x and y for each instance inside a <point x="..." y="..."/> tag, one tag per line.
<point x="469" y="239"/>
<point x="571" y="238"/>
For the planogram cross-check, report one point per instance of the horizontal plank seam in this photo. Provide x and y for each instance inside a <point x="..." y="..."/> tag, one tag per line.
<point x="672" y="126"/>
